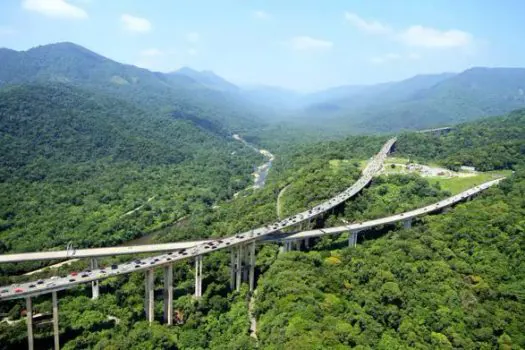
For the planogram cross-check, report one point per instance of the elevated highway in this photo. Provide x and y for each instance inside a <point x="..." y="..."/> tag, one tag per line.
<point x="242" y="246"/>
<point x="371" y="169"/>
<point x="402" y="217"/>
<point x="97" y="252"/>
<point x="198" y="248"/>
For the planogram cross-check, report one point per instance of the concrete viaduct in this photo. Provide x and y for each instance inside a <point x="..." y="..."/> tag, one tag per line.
<point x="241" y="245"/>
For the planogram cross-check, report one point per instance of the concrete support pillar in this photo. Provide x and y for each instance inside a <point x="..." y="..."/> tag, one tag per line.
<point x="29" y="321"/>
<point x="168" y="294"/>
<point x="352" y="239"/>
<point x="238" y="269"/>
<point x="150" y="295"/>
<point x="245" y="262"/>
<point x="407" y="223"/>
<point x="198" y="276"/>
<point x="252" y="266"/>
<point x="94" y="285"/>
<point x="233" y="269"/>
<point x="55" y="320"/>
<point x="307" y="243"/>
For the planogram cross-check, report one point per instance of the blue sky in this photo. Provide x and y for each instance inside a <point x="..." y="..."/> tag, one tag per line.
<point x="299" y="44"/>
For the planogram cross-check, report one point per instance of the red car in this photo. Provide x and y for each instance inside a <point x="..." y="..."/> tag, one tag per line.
<point x="19" y="290"/>
<point x="74" y="273"/>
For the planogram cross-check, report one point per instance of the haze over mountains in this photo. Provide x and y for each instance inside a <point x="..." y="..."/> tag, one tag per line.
<point x="419" y="102"/>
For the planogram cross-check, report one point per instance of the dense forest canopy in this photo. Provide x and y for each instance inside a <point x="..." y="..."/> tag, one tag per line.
<point x="451" y="281"/>
<point x="96" y="153"/>
<point x="74" y="162"/>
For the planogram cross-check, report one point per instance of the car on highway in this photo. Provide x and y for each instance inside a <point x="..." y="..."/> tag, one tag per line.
<point x="18" y="290"/>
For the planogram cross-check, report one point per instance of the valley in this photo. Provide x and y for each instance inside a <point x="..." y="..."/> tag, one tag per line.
<point x="96" y="153"/>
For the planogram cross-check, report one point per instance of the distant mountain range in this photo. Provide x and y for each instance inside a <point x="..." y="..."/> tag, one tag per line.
<point x="419" y="102"/>
<point x="422" y="101"/>
<point x="183" y="92"/>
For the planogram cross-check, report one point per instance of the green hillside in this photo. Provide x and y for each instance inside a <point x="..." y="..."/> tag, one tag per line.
<point x="73" y="64"/>
<point x="73" y="162"/>
<point x="453" y="280"/>
<point x="423" y="101"/>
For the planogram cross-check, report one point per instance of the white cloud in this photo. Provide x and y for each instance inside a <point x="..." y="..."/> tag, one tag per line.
<point x="192" y="52"/>
<point x="386" y="58"/>
<point x="302" y="43"/>
<point x="55" y="8"/>
<point x="152" y="52"/>
<point x="260" y="14"/>
<point x="6" y="31"/>
<point x="193" y="37"/>
<point x="135" y="24"/>
<point x="430" y="37"/>
<point x="416" y="35"/>
<point x="372" y="26"/>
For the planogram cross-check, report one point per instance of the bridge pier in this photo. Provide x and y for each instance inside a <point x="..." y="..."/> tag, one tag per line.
<point x="94" y="285"/>
<point x="245" y="262"/>
<point x="242" y="265"/>
<point x="149" y="302"/>
<point x="252" y="266"/>
<point x="407" y="224"/>
<point x="29" y="321"/>
<point x="55" y="321"/>
<point x="233" y="269"/>
<point x="307" y="243"/>
<point x="287" y="246"/>
<point x="168" y="294"/>
<point x="352" y="239"/>
<point x="198" y="276"/>
<point x="238" y="269"/>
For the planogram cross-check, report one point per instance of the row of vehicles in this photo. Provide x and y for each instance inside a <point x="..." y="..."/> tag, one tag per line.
<point x="56" y="283"/>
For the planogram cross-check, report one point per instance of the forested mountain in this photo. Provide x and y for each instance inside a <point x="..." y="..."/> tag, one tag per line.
<point x="74" y="161"/>
<point x="206" y="78"/>
<point x="423" y="101"/>
<point x="73" y="64"/>
<point x="453" y="280"/>
<point x="419" y="102"/>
